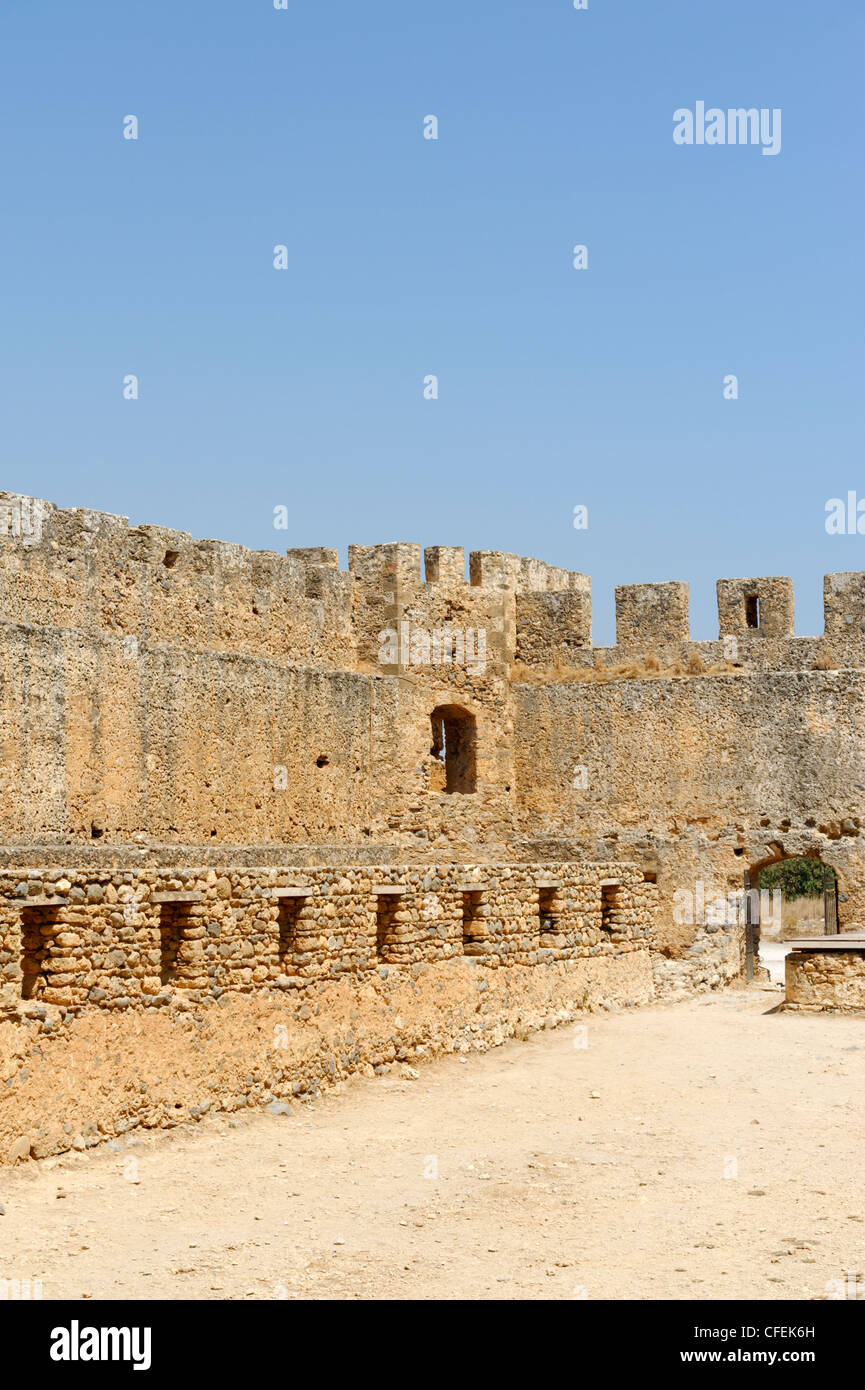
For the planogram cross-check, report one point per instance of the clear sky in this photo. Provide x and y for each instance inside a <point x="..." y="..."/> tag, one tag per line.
<point x="407" y="257"/>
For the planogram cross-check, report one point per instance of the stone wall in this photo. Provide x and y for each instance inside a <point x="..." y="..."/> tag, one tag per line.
<point x="91" y="1077"/>
<point x="151" y="939"/>
<point x="698" y="778"/>
<point x="818" y="980"/>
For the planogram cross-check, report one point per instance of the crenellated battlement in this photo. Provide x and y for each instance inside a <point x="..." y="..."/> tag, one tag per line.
<point x="755" y="620"/>
<point x="92" y="572"/>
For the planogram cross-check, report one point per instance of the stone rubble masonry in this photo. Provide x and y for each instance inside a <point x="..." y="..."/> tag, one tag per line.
<point x="148" y="940"/>
<point x="774" y="606"/>
<point x="825" y="980"/>
<point x="95" y="1076"/>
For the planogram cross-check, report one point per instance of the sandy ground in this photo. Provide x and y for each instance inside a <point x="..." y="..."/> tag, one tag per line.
<point x="698" y="1150"/>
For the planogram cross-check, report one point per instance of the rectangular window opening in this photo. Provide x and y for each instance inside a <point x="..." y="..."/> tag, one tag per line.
<point x="752" y="610"/>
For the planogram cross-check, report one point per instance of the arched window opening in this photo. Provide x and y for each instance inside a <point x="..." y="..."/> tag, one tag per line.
<point x="454" y="739"/>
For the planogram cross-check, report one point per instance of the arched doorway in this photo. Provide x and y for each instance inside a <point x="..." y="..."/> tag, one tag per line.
<point x="454" y="743"/>
<point x="796" y="896"/>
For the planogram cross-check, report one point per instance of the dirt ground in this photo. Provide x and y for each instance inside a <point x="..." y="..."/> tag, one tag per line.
<point x="708" y="1149"/>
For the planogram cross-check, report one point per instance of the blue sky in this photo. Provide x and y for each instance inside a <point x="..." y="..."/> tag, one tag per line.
<point x="408" y="256"/>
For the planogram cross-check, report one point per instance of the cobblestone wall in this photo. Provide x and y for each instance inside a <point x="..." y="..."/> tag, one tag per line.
<point x="150" y="939"/>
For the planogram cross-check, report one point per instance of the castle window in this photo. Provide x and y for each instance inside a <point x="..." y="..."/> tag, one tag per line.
<point x="752" y="610"/>
<point x="454" y="738"/>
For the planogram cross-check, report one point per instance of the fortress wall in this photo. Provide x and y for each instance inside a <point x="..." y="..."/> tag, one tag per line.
<point x="390" y="593"/>
<point x="103" y="744"/>
<point x="700" y="777"/>
<point x="717" y="747"/>
<point x="755" y="625"/>
<point x="156" y="689"/>
<point x="142" y="938"/>
<point x="179" y="745"/>
<point x="94" y="573"/>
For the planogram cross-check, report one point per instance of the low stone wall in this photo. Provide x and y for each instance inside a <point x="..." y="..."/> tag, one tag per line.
<point x="829" y="979"/>
<point x="75" y="1082"/>
<point x="151" y="996"/>
<point x="155" y="938"/>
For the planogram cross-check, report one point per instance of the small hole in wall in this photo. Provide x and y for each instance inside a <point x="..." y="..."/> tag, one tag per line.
<point x="737" y="852"/>
<point x="322" y="761"/>
<point x="650" y="876"/>
<point x="752" y="610"/>
<point x="170" y="558"/>
<point x="96" y="832"/>
<point x="213" y="834"/>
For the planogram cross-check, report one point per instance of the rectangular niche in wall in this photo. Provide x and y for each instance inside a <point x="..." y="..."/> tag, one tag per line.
<point x="474" y="919"/>
<point x="291" y="902"/>
<point x="548" y="906"/>
<point x="172" y="921"/>
<point x="611" y="905"/>
<point x="175" y="920"/>
<point x="387" y="904"/>
<point x="38" y="926"/>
